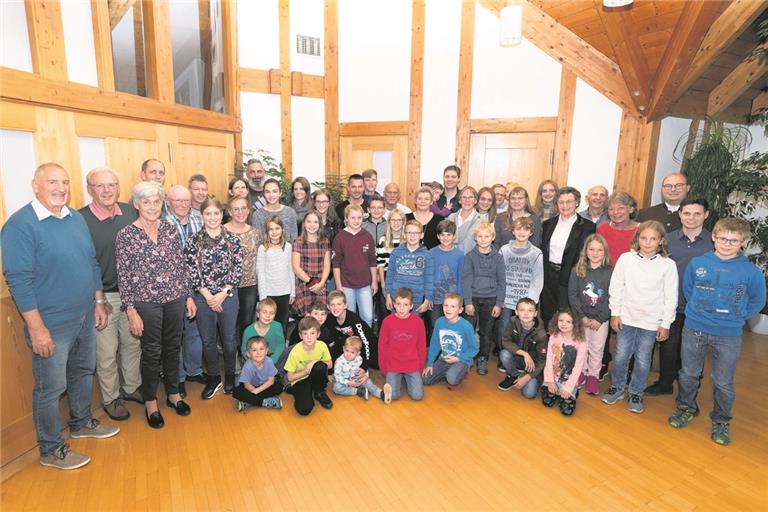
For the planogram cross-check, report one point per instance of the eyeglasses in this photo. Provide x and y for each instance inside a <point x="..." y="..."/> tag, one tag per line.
<point x="729" y="241"/>
<point x="105" y="186"/>
<point x="676" y="186"/>
<point x="326" y="201"/>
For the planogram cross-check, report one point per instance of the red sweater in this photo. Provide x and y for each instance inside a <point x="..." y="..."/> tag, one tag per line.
<point x="618" y="240"/>
<point x="354" y="255"/>
<point x="402" y="344"/>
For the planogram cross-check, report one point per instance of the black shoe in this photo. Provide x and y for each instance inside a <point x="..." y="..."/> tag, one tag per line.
<point x="199" y="378"/>
<point x="603" y="372"/>
<point x="229" y="383"/>
<point x="508" y="383"/>
<point x="657" y="389"/>
<point x="567" y="406"/>
<point x="155" y="420"/>
<point x="183" y="390"/>
<point x="211" y="387"/>
<point x="547" y="398"/>
<point x="323" y="399"/>
<point x="181" y="407"/>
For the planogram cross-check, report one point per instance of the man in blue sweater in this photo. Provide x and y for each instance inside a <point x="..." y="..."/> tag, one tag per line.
<point x="723" y="290"/>
<point x="50" y="265"/>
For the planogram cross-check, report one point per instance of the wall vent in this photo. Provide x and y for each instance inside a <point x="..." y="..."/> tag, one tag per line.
<point x="308" y="45"/>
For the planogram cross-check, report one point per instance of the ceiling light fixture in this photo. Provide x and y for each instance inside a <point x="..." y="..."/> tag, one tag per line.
<point x="511" y="26"/>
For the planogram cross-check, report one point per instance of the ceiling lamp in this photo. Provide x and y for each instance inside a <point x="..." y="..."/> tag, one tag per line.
<point x="511" y="27"/>
<point x="616" y="3"/>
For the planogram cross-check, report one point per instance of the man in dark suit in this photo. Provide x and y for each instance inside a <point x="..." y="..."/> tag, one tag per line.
<point x="674" y="188"/>
<point x="561" y="242"/>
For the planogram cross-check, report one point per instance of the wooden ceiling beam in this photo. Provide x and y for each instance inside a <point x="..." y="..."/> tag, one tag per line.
<point x="734" y="85"/>
<point x="561" y="44"/>
<point x="625" y="41"/>
<point x="724" y="31"/>
<point x="117" y="10"/>
<point x="690" y="30"/>
<point x="760" y="102"/>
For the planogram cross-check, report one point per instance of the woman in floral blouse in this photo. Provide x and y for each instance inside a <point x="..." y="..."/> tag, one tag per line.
<point x="247" y="291"/>
<point x="215" y="261"/>
<point x="155" y="292"/>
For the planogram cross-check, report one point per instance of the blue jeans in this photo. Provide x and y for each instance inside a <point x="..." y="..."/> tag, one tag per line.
<point x="452" y="373"/>
<point x="515" y="366"/>
<point x="413" y="384"/>
<point x="361" y="301"/>
<point x="345" y="390"/>
<point x="70" y="369"/>
<point x="191" y="360"/>
<point x="725" y="356"/>
<point x="207" y="320"/>
<point x="632" y="341"/>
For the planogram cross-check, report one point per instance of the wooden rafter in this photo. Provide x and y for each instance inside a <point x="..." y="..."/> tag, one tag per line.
<point x="691" y="27"/>
<point x="760" y="102"/>
<point x="625" y="41"/>
<point x="117" y="10"/>
<point x="738" y="81"/>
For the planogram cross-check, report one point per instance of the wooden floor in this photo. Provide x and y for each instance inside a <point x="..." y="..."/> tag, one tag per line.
<point x="472" y="449"/>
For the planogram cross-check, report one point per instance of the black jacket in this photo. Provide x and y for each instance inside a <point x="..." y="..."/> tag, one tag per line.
<point x="581" y="229"/>
<point x="534" y="343"/>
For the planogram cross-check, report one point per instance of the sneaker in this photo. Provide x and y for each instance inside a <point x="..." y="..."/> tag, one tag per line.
<point x="500" y="368"/>
<point x="603" y="373"/>
<point x="386" y="393"/>
<point x="272" y="402"/>
<point x="613" y="395"/>
<point x="134" y="396"/>
<point x="720" y="434"/>
<point x="323" y="399"/>
<point x="636" y="403"/>
<point x="199" y="378"/>
<point x="508" y="383"/>
<point x="183" y="390"/>
<point x="657" y="389"/>
<point x="548" y="399"/>
<point x="211" y="387"/>
<point x="453" y="387"/>
<point x="229" y="383"/>
<point x="64" y="458"/>
<point x="592" y="386"/>
<point x="582" y="380"/>
<point x="116" y="410"/>
<point x="362" y="392"/>
<point x="680" y="418"/>
<point x="95" y="429"/>
<point x="242" y="406"/>
<point x="482" y="366"/>
<point x="567" y="406"/>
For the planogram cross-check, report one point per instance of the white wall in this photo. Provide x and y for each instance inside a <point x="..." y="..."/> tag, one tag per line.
<point x="257" y="34"/>
<point x="78" y="42"/>
<point x="305" y="17"/>
<point x="517" y="81"/>
<point x="92" y="154"/>
<point x="442" y="23"/>
<point x="17" y="167"/>
<point x="308" y="138"/>
<point x="595" y="140"/>
<point x="374" y="60"/>
<point x="14" y="39"/>
<point x="261" y="122"/>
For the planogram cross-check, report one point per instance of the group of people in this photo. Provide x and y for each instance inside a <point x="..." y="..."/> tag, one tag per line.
<point x="302" y="294"/>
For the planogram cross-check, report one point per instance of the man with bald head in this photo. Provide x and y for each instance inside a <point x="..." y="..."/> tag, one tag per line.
<point x="187" y="222"/>
<point x="153" y="170"/>
<point x="391" y="198"/>
<point x="49" y="263"/>
<point x="118" y="352"/>
<point x="596" y="209"/>
<point x="674" y="189"/>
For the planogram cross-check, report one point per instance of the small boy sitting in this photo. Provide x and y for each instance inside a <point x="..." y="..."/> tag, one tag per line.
<point x="257" y="385"/>
<point x="452" y="347"/>
<point x="350" y="378"/>
<point x="524" y="350"/>
<point x="403" y="347"/>
<point x="307" y="369"/>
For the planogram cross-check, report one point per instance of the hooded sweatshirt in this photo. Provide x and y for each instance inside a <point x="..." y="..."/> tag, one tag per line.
<point x="483" y="276"/>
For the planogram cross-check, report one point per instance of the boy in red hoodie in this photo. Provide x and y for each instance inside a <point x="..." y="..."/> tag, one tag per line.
<point x="403" y="347"/>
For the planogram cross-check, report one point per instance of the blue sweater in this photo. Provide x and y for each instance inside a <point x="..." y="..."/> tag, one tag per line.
<point x="448" y="266"/>
<point x="484" y="276"/>
<point x="453" y="339"/>
<point x="50" y="265"/>
<point x="411" y="270"/>
<point x="722" y="294"/>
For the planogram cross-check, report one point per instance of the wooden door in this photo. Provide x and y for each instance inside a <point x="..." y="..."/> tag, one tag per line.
<point x="209" y="153"/>
<point x="525" y="158"/>
<point x="388" y="154"/>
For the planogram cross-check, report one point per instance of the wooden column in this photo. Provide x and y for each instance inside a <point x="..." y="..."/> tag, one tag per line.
<point x="285" y="88"/>
<point x="232" y="71"/>
<point x="102" y="42"/>
<point x="466" y="49"/>
<point x="46" y="38"/>
<point x="636" y="159"/>
<point x="159" y="53"/>
<point x="331" y="88"/>
<point x="564" y="126"/>
<point x="417" y="97"/>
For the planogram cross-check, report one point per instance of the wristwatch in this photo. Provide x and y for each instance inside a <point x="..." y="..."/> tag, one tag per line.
<point x="100" y="301"/>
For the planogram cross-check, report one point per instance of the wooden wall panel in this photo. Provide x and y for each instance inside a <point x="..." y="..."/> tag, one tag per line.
<point x="56" y="141"/>
<point x="513" y="125"/>
<point x="636" y="159"/>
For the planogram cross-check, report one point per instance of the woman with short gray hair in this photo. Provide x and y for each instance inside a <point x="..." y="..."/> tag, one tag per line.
<point x="621" y="227"/>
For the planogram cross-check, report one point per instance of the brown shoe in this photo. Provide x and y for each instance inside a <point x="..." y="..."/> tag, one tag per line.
<point x="135" y="396"/>
<point x="116" y="410"/>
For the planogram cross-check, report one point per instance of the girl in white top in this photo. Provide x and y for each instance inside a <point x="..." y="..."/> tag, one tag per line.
<point x="274" y="271"/>
<point x="643" y="302"/>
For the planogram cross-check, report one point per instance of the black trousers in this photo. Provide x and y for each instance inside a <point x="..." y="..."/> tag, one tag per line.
<point x="246" y="315"/>
<point x="304" y="390"/>
<point x="554" y="296"/>
<point x="160" y="345"/>
<point x="242" y="394"/>
<point x="485" y="323"/>
<point x="669" y="352"/>
<point x="283" y="309"/>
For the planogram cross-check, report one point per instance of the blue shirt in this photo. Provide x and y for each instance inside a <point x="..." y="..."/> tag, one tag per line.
<point x="448" y="266"/>
<point x="453" y="339"/>
<point x="682" y="250"/>
<point x="257" y="376"/>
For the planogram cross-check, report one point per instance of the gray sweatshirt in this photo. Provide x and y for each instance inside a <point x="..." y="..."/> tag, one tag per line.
<point x="524" y="270"/>
<point x="483" y="276"/>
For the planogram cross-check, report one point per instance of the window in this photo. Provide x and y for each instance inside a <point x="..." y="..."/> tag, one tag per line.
<point x="126" y="20"/>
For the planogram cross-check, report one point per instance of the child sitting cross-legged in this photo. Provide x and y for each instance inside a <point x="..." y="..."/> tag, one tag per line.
<point x="307" y="369"/>
<point x="350" y="378"/>
<point x="452" y="347"/>
<point x="258" y="386"/>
